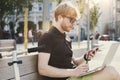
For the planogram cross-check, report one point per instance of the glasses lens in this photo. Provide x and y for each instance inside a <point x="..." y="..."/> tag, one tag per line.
<point x="72" y="20"/>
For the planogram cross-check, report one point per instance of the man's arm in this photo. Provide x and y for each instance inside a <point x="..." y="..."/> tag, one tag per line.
<point x="88" y="55"/>
<point x="78" y="61"/>
<point x="50" y="71"/>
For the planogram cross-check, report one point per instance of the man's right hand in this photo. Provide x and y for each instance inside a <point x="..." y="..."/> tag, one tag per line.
<point x="80" y="70"/>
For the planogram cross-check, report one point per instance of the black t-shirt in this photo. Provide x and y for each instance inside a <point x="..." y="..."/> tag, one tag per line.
<point x="58" y="48"/>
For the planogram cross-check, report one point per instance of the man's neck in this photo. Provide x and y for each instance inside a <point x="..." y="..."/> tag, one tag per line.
<point x="59" y="28"/>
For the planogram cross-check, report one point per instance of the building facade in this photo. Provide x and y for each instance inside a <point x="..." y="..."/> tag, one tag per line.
<point x="109" y="21"/>
<point x="118" y="18"/>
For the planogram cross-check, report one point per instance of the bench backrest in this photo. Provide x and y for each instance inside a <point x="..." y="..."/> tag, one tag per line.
<point x="28" y="68"/>
<point x="7" y="45"/>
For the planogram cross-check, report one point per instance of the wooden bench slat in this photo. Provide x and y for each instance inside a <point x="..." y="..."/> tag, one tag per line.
<point x="7" y="45"/>
<point x="29" y="66"/>
<point x="32" y="76"/>
<point x="6" y="72"/>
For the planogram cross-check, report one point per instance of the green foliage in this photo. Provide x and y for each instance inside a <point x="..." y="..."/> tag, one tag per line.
<point x="94" y="16"/>
<point x="11" y="25"/>
<point x="9" y="7"/>
<point x="2" y="23"/>
<point x="81" y="6"/>
<point x="59" y="1"/>
<point x="40" y="0"/>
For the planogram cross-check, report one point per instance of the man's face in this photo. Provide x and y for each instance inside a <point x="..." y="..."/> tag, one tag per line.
<point x="68" y="23"/>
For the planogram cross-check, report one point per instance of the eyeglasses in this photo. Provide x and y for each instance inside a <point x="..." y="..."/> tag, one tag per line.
<point x="72" y="20"/>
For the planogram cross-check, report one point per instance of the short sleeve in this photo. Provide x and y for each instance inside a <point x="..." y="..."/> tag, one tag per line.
<point x="46" y="40"/>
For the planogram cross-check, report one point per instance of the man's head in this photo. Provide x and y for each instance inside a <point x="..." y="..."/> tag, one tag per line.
<point x="65" y="9"/>
<point x="66" y="14"/>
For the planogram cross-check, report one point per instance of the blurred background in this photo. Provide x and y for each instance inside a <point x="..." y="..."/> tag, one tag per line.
<point x="17" y="17"/>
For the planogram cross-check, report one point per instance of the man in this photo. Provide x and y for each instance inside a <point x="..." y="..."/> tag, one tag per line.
<point x="55" y="61"/>
<point x="97" y="35"/>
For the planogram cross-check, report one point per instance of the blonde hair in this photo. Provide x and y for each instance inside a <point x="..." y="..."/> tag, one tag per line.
<point x="66" y="9"/>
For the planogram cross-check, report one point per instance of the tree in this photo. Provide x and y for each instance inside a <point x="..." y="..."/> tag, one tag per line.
<point x="94" y="16"/>
<point x="81" y="7"/>
<point x="12" y="7"/>
<point x="58" y="1"/>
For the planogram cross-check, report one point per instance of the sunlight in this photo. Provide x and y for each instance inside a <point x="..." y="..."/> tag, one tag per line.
<point x="95" y="1"/>
<point x="91" y="3"/>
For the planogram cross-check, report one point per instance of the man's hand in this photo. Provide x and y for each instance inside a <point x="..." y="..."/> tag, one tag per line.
<point x="90" y="54"/>
<point x="80" y="70"/>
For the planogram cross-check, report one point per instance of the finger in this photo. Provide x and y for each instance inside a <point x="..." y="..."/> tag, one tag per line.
<point x="85" y="67"/>
<point x="89" y="51"/>
<point x="92" y="55"/>
<point x="96" y="49"/>
<point x="87" y="54"/>
<point x="82" y="67"/>
<point x="85" y="70"/>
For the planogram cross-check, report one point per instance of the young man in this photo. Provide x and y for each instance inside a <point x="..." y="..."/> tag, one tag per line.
<point x="55" y="61"/>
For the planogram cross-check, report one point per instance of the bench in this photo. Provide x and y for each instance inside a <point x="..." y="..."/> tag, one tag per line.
<point x="7" y="45"/>
<point x="28" y="68"/>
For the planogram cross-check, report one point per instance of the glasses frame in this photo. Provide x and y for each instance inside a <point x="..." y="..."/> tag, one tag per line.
<point x="72" y="20"/>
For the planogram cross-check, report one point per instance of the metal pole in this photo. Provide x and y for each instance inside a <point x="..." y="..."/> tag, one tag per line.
<point x="16" y="68"/>
<point x="36" y="15"/>
<point x="79" y="34"/>
<point x="114" y="17"/>
<point x="88" y="33"/>
<point x="35" y="19"/>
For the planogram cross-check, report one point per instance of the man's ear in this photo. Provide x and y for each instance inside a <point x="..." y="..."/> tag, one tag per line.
<point x="60" y="17"/>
